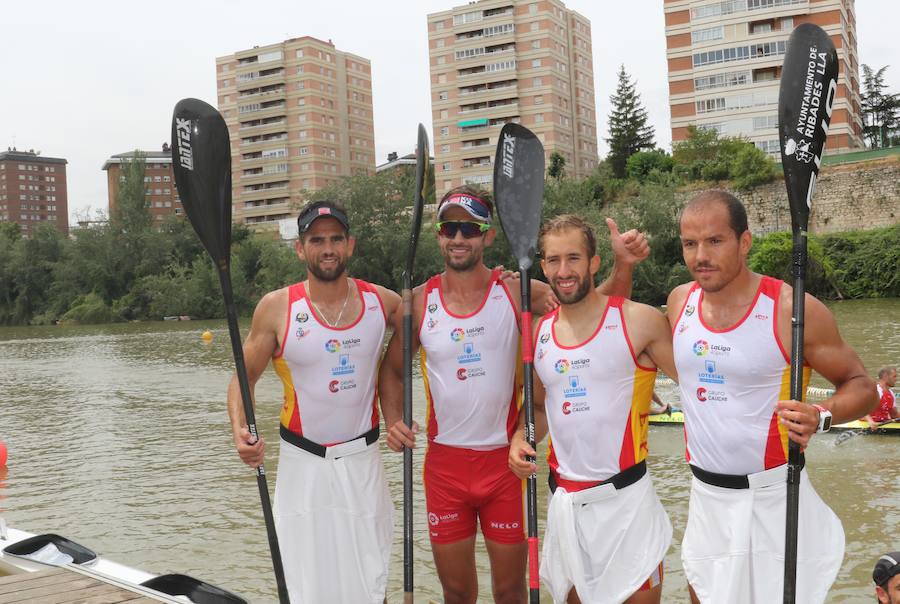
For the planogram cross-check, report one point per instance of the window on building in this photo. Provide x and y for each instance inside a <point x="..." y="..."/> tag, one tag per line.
<point x="705" y="35"/>
<point x="443" y="96"/>
<point x="446" y="166"/>
<point x="535" y="62"/>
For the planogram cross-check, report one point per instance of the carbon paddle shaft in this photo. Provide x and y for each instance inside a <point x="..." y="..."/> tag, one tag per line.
<point x="534" y="586"/>
<point x="238" y="351"/>
<point x="407" y="452"/>
<point x="794" y="468"/>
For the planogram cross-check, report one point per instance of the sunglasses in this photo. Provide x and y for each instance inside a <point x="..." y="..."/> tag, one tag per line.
<point x="450" y="228"/>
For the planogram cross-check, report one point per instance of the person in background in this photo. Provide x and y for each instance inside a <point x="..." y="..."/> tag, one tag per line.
<point x="887" y="578"/>
<point x="887" y="402"/>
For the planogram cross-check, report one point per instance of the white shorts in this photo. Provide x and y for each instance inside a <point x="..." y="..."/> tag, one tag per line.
<point x="604" y="542"/>
<point x="733" y="549"/>
<point x="335" y="521"/>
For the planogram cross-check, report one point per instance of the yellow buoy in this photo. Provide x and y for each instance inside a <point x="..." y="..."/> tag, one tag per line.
<point x="207" y="336"/>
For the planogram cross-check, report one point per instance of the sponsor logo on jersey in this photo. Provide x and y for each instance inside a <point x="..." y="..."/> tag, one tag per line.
<point x="561" y="366"/>
<point x="345" y="367"/>
<point x="457" y="334"/>
<point x="302" y="317"/>
<point x="469" y="355"/>
<point x="761" y="317"/>
<point x="504" y="525"/>
<point x="337" y="386"/>
<point x="433" y="519"/>
<point x="545" y="338"/>
<point x="713" y="396"/>
<point x="333" y="346"/>
<point x="682" y="328"/>
<point x="350" y="343"/>
<point x="568" y="407"/>
<point x="612" y="327"/>
<point x="302" y="333"/>
<point x="702" y="348"/>
<point x="575" y="388"/>
<point x="581" y="364"/>
<point x="689" y="310"/>
<point x="711" y="376"/>
<point x="541" y="353"/>
<point x="464" y="373"/>
<point x="432" y="307"/>
<point x="373" y="307"/>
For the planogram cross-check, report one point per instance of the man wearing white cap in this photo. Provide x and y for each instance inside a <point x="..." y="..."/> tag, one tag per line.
<point x="467" y="322"/>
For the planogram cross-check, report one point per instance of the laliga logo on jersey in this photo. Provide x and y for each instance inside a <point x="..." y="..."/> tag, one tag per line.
<point x="333" y="385"/>
<point x="433" y="519"/>
<point x="567" y="408"/>
<point x="545" y="338"/>
<point x="461" y="373"/>
<point x="561" y="366"/>
<point x="701" y="347"/>
<point x="457" y="334"/>
<point x="302" y="317"/>
<point x="332" y="346"/>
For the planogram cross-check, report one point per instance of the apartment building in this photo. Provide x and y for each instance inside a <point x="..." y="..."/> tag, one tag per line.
<point x="159" y="181"/>
<point x="725" y="62"/>
<point x="299" y="114"/>
<point x="33" y="190"/>
<point x="499" y="61"/>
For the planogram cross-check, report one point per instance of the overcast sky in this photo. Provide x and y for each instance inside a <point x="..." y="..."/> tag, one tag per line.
<point x="84" y="80"/>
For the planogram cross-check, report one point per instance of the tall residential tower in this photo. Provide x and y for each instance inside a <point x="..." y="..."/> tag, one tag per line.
<point x="299" y="114"/>
<point x="33" y="190"/>
<point x="496" y="61"/>
<point x="725" y="63"/>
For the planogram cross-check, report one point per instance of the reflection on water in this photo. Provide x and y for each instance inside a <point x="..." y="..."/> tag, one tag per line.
<point x="118" y="438"/>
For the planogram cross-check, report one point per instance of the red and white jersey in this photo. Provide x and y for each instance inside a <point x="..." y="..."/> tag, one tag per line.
<point x="730" y="380"/>
<point x="471" y="368"/>
<point x="598" y="398"/>
<point x="330" y="373"/>
<point x="886" y="402"/>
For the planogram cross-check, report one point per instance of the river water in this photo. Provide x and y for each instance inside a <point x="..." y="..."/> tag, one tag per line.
<point x="118" y="438"/>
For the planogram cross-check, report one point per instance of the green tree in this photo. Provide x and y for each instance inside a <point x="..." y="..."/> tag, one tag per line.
<point x="704" y="155"/>
<point x="629" y="130"/>
<point x="131" y="213"/>
<point x="557" y="168"/>
<point x="649" y="165"/>
<point x="880" y="110"/>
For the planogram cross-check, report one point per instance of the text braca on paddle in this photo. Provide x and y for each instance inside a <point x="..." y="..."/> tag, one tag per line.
<point x="808" y="87"/>
<point x="519" y="188"/>
<point x="201" y="158"/>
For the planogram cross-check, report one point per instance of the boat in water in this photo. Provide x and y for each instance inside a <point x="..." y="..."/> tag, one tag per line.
<point x="22" y="553"/>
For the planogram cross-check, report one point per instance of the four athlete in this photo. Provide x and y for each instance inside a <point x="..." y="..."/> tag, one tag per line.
<point x="596" y="358"/>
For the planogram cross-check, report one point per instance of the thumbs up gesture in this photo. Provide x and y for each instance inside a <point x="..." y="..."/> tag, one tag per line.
<point x="630" y="247"/>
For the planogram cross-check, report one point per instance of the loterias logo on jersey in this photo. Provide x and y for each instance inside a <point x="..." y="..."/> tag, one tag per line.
<point x="711" y="376"/>
<point x="568" y="407"/>
<point x="345" y="367"/>
<point x="575" y="388"/>
<point x="469" y="355"/>
<point x="338" y="385"/>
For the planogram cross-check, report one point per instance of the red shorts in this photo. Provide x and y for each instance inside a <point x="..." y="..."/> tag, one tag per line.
<point x="462" y="483"/>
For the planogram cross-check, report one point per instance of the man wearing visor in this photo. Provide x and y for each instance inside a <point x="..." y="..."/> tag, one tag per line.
<point x="466" y="321"/>
<point x="333" y="512"/>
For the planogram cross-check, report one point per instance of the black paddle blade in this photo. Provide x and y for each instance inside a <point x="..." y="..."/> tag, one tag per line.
<point x="808" y="87"/>
<point x="519" y="189"/>
<point x="201" y="156"/>
<point x="423" y="172"/>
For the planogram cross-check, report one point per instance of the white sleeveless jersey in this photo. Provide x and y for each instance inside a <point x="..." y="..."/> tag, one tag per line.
<point x="330" y="374"/>
<point x="730" y="381"/>
<point x="598" y="399"/>
<point x="471" y="369"/>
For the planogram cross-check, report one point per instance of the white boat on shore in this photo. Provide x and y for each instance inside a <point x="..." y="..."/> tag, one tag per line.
<point x="22" y="552"/>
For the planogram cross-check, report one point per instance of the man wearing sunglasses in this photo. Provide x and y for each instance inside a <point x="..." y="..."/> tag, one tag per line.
<point x="467" y="324"/>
